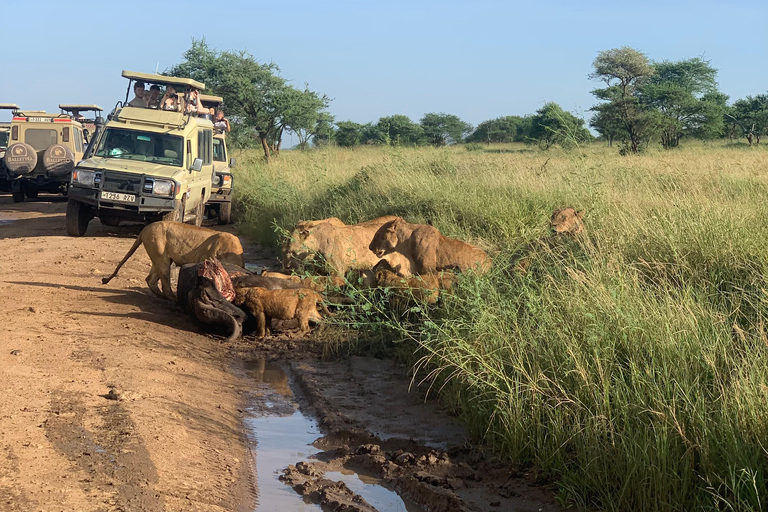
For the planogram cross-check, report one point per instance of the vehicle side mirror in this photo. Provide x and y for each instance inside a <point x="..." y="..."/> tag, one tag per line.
<point x="197" y="164"/>
<point x="232" y="162"/>
<point x="99" y="120"/>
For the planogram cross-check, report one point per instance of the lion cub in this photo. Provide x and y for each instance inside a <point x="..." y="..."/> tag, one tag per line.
<point x="265" y="305"/>
<point x="317" y="283"/>
<point x="424" y="288"/>
<point x="427" y="248"/>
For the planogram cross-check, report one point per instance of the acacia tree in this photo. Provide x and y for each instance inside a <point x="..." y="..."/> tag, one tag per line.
<point x="624" y="70"/>
<point x="441" y="129"/>
<point x="685" y="96"/>
<point x="258" y="100"/>
<point x="399" y="129"/>
<point x="502" y="129"/>
<point x="751" y="115"/>
<point x="552" y="125"/>
<point x="348" y="133"/>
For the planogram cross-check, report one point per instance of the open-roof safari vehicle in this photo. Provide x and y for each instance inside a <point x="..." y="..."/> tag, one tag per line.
<point x="5" y="134"/>
<point x="148" y="163"/>
<point x="42" y="150"/>
<point x="220" y="203"/>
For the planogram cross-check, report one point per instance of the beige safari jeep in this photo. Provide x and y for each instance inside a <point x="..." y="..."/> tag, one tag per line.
<point x="5" y="134"/>
<point x="147" y="163"/>
<point x="42" y="150"/>
<point x="220" y="204"/>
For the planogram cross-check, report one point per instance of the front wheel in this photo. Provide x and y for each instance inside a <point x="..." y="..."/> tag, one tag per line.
<point x="78" y="217"/>
<point x="225" y="213"/>
<point x="199" y="212"/>
<point x="18" y="196"/>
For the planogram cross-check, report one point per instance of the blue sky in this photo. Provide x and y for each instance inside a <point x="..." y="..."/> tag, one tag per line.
<point x="478" y="60"/>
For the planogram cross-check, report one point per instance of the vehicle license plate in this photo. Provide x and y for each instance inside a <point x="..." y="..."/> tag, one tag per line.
<point x="40" y="119"/>
<point x="113" y="196"/>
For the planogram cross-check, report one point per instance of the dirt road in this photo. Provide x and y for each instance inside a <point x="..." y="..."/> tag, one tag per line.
<point x="69" y="345"/>
<point x="113" y="400"/>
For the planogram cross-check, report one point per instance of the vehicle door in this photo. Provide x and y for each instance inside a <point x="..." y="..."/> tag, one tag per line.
<point x="200" y="185"/>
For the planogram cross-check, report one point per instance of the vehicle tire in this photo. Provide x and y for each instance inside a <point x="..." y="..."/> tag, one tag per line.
<point x="110" y="220"/>
<point x="225" y="213"/>
<point x="78" y="217"/>
<point x="18" y="193"/>
<point x="199" y="212"/>
<point x="177" y="214"/>
<point x="58" y="160"/>
<point x="20" y="159"/>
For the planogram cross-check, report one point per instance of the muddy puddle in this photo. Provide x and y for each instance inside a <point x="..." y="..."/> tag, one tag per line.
<point x="283" y="436"/>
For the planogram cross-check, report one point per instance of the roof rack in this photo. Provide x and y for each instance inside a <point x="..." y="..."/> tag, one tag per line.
<point x="80" y="108"/>
<point x="162" y="79"/>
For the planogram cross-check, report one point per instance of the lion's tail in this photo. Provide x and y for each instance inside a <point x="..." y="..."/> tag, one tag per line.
<point x="136" y="244"/>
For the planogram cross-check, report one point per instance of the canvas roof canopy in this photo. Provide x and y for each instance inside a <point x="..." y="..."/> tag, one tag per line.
<point x="80" y="108"/>
<point x="162" y="79"/>
<point x="9" y="106"/>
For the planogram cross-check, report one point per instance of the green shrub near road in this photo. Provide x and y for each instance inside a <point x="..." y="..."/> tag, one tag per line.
<point x="632" y="369"/>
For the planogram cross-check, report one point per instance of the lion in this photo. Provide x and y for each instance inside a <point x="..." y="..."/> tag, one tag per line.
<point x="423" y="288"/>
<point x="316" y="283"/>
<point x="169" y="242"/>
<point x="300" y="304"/>
<point x="567" y="221"/>
<point x="342" y="247"/>
<point x="427" y="249"/>
<point x="565" y="224"/>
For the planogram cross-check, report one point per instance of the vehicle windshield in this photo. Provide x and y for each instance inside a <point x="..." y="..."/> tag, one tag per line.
<point x="158" y="148"/>
<point x="4" y="140"/>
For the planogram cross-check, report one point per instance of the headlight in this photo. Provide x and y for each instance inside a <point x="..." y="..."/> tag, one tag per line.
<point x="227" y="180"/>
<point x="163" y="188"/>
<point x="216" y="179"/>
<point x="83" y="177"/>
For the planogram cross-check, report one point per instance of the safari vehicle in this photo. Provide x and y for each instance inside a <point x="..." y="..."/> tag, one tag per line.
<point x="5" y="134"/>
<point x="146" y="164"/>
<point x="220" y="203"/>
<point x="42" y="151"/>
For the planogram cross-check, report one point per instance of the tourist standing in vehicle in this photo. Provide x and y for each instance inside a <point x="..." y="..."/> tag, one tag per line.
<point x="154" y="96"/>
<point x="222" y="123"/>
<point x="170" y="100"/>
<point x="139" y="100"/>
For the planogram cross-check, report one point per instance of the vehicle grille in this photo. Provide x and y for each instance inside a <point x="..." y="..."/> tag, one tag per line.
<point x="120" y="182"/>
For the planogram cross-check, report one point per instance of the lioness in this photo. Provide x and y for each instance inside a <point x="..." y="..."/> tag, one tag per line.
<point x="264" y="305"/>
<point x="169" y="242"/>
<point x="424" y="288"/>
<point x="342" y="247"/>
<point x="427" y="248"/>
<point x="316" y="283"/>
<point x="567" y="221"/>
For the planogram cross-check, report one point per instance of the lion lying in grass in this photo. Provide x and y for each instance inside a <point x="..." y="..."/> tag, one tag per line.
<point x="429" y="250"/>
<point x="169" y="242"/>
<point x="264" y="305"/>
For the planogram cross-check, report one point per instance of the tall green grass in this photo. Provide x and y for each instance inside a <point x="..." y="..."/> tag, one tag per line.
<point x="631" y="368"/>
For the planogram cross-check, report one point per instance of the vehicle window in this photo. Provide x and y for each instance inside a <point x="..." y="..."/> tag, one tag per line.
<point x="219" y="155"/>
<point x="4" y="139"/>
<point x="144" y="146"/>
<point x="40" y="138"/>
<point x="204" y="149"/>
<point x="78" y="140"/>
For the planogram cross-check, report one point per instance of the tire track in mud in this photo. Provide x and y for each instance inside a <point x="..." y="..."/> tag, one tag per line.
<point x="120" y="471"/>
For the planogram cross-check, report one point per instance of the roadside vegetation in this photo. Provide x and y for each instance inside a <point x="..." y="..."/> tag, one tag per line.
<point x="630" y="369"/>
